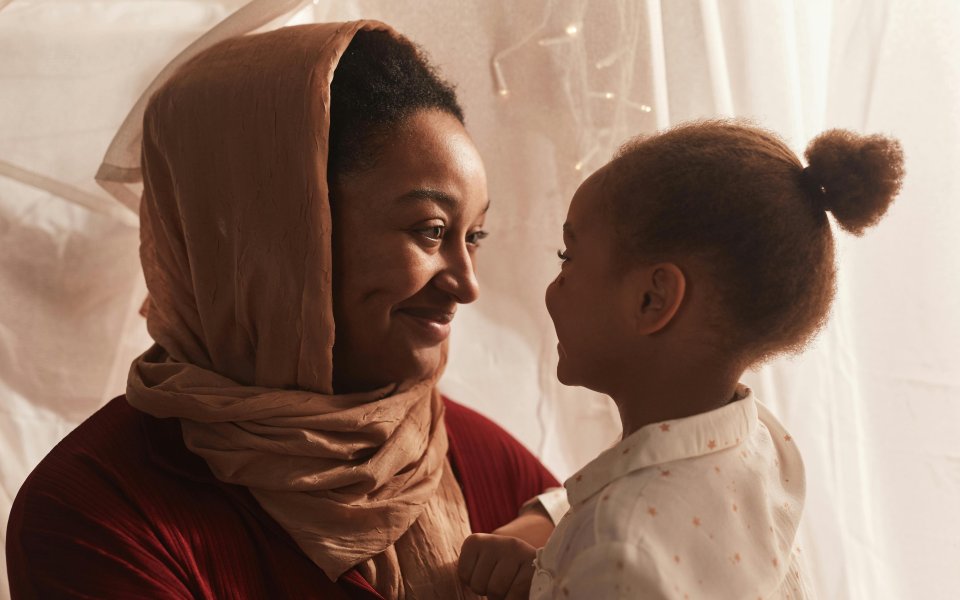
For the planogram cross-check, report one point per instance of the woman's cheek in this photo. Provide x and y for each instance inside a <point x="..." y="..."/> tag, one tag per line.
<point x="416" y="271"/>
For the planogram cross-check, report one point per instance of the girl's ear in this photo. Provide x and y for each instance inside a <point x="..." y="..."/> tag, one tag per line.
<point x="658" y="291"/>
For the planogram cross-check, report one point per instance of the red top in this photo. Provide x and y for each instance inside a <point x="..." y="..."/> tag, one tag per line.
<point x="121" y="509"/>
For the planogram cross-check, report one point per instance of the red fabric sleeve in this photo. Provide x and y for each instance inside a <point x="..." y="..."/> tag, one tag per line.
<point x="58" y="562"/>
<point x="63" y="544"/>
<point x="496" y="472"/>
<point x="100" y="518"/>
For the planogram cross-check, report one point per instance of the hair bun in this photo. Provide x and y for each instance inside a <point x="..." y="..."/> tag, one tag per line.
<point x="853" y="176"/>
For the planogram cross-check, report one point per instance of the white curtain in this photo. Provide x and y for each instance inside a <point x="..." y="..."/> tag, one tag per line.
<point x="551" y="88"/>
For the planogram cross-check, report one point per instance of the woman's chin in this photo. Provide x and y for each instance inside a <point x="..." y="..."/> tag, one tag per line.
<point x="422" y="363"/>
<point x="393" y="365"/>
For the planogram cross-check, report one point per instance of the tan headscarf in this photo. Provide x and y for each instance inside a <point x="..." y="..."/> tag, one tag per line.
<point x="236" y="250"/>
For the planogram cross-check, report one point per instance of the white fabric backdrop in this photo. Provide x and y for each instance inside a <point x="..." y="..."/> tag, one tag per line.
<point x="551" y="87"/>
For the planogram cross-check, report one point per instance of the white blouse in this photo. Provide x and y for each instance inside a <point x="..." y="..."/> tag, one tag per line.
<point x="702" y="507"/>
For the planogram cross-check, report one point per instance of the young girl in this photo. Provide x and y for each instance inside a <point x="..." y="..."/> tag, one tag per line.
<point x="692" y="256"/>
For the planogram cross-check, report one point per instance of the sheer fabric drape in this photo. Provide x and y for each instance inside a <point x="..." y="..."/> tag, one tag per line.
<point x="551" y="88"/>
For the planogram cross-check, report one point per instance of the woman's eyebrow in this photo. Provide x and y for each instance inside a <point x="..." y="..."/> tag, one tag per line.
<point x="443" y="198"/>
<point x="568" y="232"/>
<point x="430" y="194"/>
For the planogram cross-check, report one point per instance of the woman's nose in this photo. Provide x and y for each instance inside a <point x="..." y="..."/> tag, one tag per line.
<point x="459" y="277"/>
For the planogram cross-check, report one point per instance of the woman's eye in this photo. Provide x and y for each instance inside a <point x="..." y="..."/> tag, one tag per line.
<point x="562" y="255"/>
<point x="433" y="233"/>
<point x="473" y="238"/>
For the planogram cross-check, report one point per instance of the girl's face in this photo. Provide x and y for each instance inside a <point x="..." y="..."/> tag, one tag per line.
<point x="405" y="236"/>
<point x="586" y="300"/>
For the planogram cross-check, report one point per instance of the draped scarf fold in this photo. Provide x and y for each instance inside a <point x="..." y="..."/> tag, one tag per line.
<point x="236" y="251"/>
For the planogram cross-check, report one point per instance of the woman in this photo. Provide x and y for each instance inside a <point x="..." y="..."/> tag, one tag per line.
<point x="306" y="245"/>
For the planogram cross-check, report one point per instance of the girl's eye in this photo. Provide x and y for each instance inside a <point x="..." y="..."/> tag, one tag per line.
<point x="563" y="256"/>
<point x="434" y="233"/>
<point x="473" y="238"/>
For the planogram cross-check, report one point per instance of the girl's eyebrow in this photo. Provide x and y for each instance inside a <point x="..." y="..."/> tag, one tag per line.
<point x="568" y="232"/>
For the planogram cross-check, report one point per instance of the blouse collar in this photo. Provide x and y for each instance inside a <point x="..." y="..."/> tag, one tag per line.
<point x="667" y="441"/>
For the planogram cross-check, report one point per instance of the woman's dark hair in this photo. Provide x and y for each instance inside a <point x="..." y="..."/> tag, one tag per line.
<point x="735" y="198"/>
<point x="381" y="80"/>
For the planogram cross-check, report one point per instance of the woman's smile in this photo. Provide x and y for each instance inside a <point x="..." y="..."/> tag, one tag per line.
<point x="431" y="324"/>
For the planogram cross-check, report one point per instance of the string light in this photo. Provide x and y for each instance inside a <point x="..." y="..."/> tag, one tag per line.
<point x="553" y="41"/>
<point x="571" y="30"/>
<point x="501" y="80"/>
<point x="502" y="89"/>
<point x="641" y="107"/>
<point x="587" y="158"/>
<point x="547" y="36"/>
<point x="608" y="60"/>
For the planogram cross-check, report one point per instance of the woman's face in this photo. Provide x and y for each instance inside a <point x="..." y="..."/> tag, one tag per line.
<point x="405" y="236"/>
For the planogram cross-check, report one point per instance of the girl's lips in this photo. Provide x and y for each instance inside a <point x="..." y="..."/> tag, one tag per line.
<point x="430" y="324"/>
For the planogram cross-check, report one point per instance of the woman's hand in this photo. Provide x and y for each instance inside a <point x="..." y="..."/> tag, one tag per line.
<point x="497" y="566"/>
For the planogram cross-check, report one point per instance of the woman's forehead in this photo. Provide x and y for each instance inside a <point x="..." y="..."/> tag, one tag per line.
<point x="431" y="160"/>
<point x="432" y="139"/>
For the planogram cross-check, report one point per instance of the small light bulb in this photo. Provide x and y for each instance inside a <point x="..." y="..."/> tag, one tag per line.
<point x="608" y="95"/>
<point x="641" y="107"/>
<point x="502" y="88"/>
<point x="578" y="166"/>
<point x="572" y="29"/>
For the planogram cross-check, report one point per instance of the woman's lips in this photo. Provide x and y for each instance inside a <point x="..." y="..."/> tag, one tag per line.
<point x="430" y="324"/>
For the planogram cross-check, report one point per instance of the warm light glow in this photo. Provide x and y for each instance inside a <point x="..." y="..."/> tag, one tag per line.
<point x="586" y="158"/>
<point x="572" y="29"/>
<point x="641" y="107"/>
<point x="501" y="80"/>
<point x="604" y="95"/>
